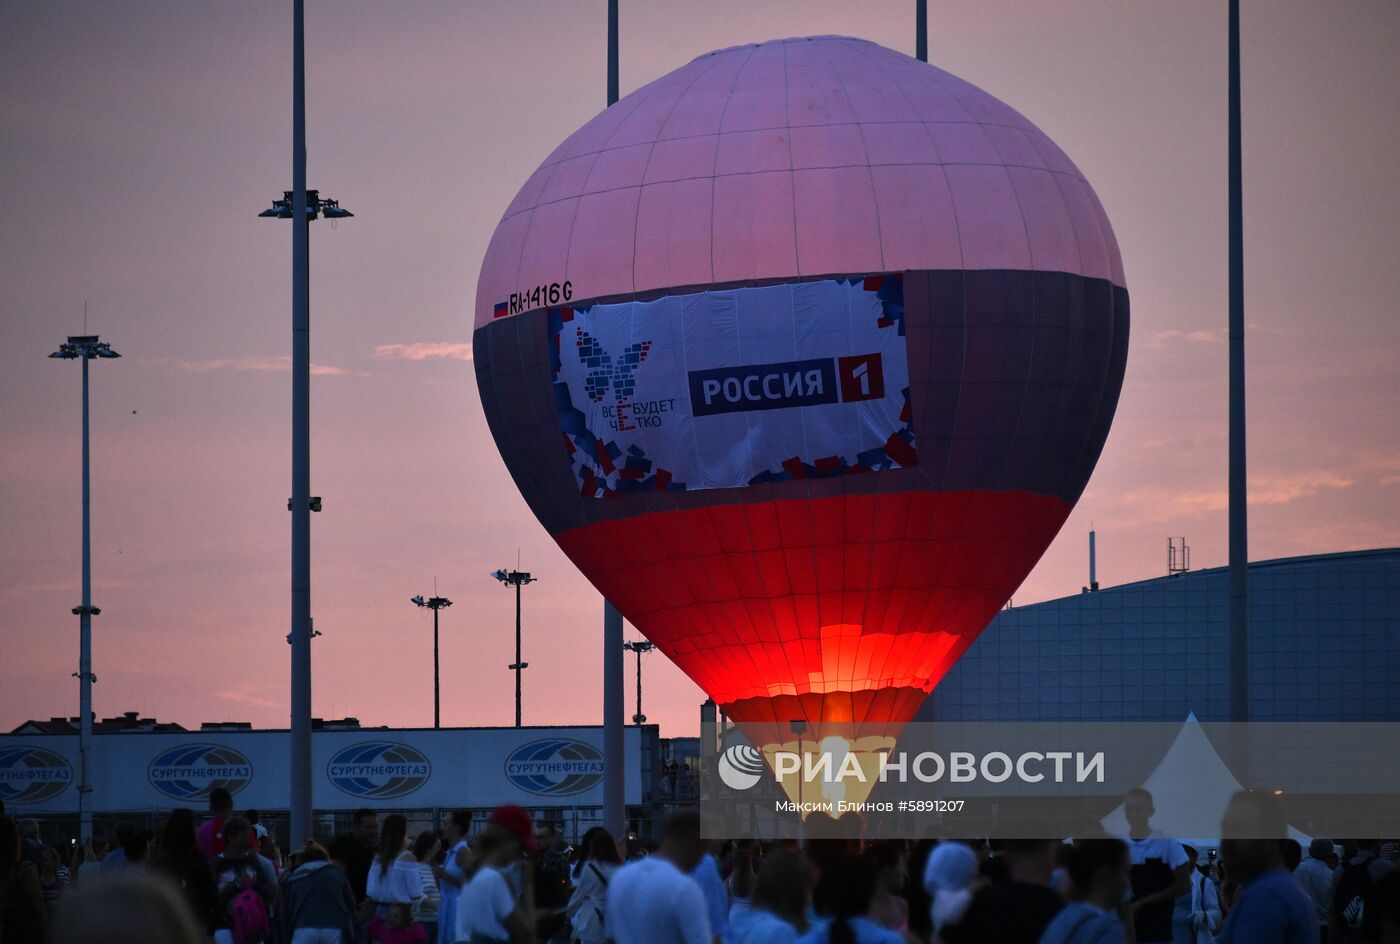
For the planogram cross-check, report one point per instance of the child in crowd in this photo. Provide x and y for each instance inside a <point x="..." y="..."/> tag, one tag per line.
<point x="397" y="927"/>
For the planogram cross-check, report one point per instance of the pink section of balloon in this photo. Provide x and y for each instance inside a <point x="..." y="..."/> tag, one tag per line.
<point x="793" y="158"/>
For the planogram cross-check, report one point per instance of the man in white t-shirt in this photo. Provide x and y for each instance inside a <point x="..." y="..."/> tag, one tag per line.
<point x="1160" y="873"/>
<point x="655" y="900"/>
<point x="486" y="907"/>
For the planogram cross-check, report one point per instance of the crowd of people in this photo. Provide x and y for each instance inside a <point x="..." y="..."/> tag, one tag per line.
<point x="510" y="880"/>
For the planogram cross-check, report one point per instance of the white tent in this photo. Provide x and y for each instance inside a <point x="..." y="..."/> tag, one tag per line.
<point x="1190" y="788"/>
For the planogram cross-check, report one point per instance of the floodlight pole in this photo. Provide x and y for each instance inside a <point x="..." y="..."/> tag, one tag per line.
<point x="301" y="206"/>
<point x="519" y="665"/>
<point x="435" y="604"/>
<point x="84" y="348"/>
<point x="516" y="579"/>
<point x="85" y="612"/>
<point x="1238" y="504"/>
<point x="614" y="760"/>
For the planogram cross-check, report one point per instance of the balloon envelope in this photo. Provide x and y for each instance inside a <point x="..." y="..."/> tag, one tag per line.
<point x="803" y="353"/>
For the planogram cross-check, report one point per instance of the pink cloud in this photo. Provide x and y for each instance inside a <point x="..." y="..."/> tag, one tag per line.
<point x="278" y="363"/>
<point x="425" y="350"/>
<point x="1165" y="504"/>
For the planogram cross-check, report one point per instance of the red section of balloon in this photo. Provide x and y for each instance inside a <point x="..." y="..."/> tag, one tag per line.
<point x="837" y="610"/>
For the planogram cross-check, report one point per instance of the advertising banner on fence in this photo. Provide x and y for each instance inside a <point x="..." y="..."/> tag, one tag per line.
<point x="732" y="387"/>
<point x="377" y="768"/>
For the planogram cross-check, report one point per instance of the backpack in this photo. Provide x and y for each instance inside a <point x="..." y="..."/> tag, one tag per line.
<point x="247" y="915"/>
<point x="1352" y="889"/>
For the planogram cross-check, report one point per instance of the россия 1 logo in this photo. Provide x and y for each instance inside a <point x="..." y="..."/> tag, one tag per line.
<point x="193" y="771"/>
<point x="555" y="767"/>
<point x="32" y="774"/>
<point x="378" y="770"/>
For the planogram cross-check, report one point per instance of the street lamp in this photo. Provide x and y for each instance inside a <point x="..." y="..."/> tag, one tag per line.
<point x="435" y="604"/>
<point x="639" y="647"/>
<point x="301" y="206"/>
<point x="516" y="579"/>
<point x="85" y="347"/>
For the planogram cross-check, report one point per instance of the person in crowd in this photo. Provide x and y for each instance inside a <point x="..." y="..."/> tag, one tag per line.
<point x="318" y="905"/>
<point x="519" y="871"/>
<point x="1351" y="891"/>
<point x="1206" y="909"/>
<point x="393" y="876"/>
<point x="1381" y="923"/>
<point x="427" y="849"/>
<point x="115" y="860"/>
<point x="654" y="900"/>
<point x="1314" y="878"/>
<point x="746" y="858"/>
<point x="396" y="926"/>
<point x="132" y="907"/>
<point x="1018" y="910"/>
<point x="1292" y="855"/>
<point x="259" y="830"/>
<point x="1203" y="910"/>
<point x="247" y="887"/>
<point x="23" y="916"/>
<point x="355" y="850"/>
<point x="551" y="881"/>
<point x="1097" y="871"/>
<point x="633" y="848"/>
<point x="581" y="853"/>
<point x="136" y="851"/>
<point x="706" y="875"/>
<point x="53" y="874"/>
<point x="778" y="903"/>
<point x="889" y="860"/>
<point x="487" y="911"/>
<point x="847" y="886"/>
<point x="920" y="902"/>
<point x="267" y="848"/>
<point x="1160" y="871"/>
<point x="587" y="907"/>
<point x="1269" y="908"/>
<point x="211" y="832"/>
<point x="31" y="848"/>
<point x="93" y="851"/>
<point x="179" y="858"/>
<point x="949" y="876"/>
<point x="455" y="827"/>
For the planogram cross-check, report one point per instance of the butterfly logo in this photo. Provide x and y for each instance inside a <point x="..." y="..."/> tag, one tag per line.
<point x="604" y="373"/>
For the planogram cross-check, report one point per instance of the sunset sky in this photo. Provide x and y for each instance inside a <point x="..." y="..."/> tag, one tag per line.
<point x="138" y="141"/>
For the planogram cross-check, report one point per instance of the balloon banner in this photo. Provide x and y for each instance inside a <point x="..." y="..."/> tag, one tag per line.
<point x="723" y="389"/>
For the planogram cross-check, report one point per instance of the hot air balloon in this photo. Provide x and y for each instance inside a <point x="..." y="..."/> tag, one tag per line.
<point x="803" y="354"/>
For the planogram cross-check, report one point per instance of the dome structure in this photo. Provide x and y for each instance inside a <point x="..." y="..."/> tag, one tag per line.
<point x="803" y="353"/>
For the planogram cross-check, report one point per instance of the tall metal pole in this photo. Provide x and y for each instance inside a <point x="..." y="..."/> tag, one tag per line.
<point x="437" y="705"/>
<point x="1239" y="510"/>
<point x="85" y="638"/>
<point x="85" y="347"/>
<point x="300" y="753"/>
<point x="614" y="759"/>
<point x="519" y="663"/>
<point x="612" y="53"/>
<point x="921" y="30"/>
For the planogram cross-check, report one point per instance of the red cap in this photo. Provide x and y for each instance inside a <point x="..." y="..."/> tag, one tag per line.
<point x="517" y="820"/>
